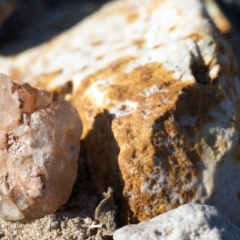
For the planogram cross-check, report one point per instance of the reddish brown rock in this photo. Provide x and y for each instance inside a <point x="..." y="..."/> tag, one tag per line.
<point x="39" y="148"/>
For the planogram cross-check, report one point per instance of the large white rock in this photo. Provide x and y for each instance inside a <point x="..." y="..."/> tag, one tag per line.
<point x="190" y="221"/>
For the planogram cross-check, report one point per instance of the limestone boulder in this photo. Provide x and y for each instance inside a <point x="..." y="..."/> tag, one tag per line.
<point x="158" y="93"/>
<point x="190" y="221"/>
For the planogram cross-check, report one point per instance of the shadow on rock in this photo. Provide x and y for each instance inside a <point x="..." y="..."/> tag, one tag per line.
<point x="178" y="165"/>
<point x="102" y="152"/>
<point x="196" y="146"/>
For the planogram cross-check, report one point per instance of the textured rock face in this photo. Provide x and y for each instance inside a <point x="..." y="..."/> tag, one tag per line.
<point x="39" y="148"/>
<point x="190" y="221"/>
<point x="161" y="99"/>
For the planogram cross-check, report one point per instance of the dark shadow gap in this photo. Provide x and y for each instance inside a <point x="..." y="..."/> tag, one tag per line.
<point x="102" y="152"/>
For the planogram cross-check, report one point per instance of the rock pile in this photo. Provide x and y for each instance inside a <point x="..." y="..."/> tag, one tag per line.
<point x="160" y="105"/>
<point x="158" y="92"/>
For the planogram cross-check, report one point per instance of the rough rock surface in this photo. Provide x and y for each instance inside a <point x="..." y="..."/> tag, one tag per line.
<point x="190" y="221"/>
<point x="73" y="221"/>
<point x="105" y="213"/>
<point x="67" y="225"/>
<point x="39" y="148"/>
<point x="160" y="96"/>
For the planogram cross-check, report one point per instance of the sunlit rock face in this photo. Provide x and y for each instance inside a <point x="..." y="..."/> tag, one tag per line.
<point x="39" y="148"/>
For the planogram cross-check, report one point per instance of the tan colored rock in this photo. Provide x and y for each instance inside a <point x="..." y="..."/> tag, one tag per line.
<point x="158" y="94"/>
<point x="39" y="148"/>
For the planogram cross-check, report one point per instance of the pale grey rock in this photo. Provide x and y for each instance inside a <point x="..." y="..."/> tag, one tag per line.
<point x="190" y="221"/>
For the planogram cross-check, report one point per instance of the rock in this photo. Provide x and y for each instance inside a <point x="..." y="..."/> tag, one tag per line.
<point x="105" y="213"/>
<point x="190" y="221"/>
<point x="74" y="220"/>
<point x="158" y="94"/>
<point x="39" y="148"/>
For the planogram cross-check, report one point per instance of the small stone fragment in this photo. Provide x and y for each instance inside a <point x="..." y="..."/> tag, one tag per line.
<point x="105" y="213"/>
<point x="39" y="148"/>
<point x="190" y="221"/>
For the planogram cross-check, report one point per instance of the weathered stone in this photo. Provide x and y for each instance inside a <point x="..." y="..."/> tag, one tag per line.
<point x="105" y="213"/>
<point x="158" y="94"/>
<point x="190" y="221"/>
<point x="39" y="148"/>
<point x="74" y="220"/>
